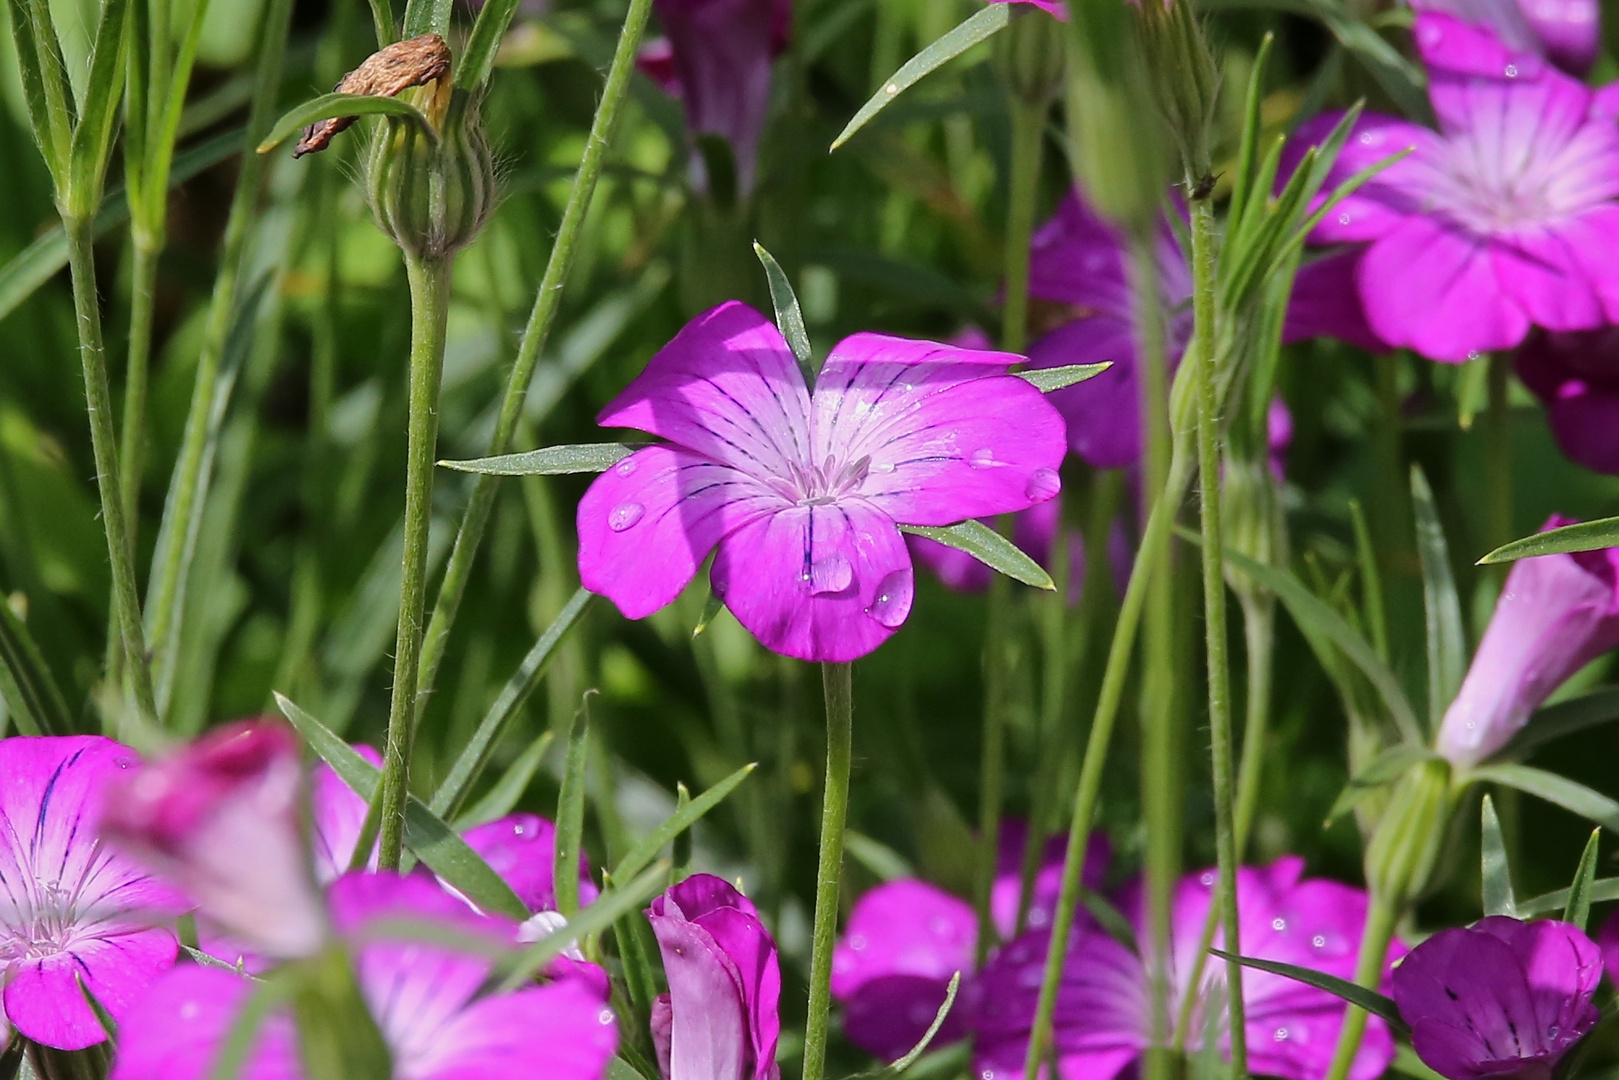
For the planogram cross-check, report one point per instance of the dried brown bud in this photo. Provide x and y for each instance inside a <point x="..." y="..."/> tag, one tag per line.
<point x="386" y="73"/>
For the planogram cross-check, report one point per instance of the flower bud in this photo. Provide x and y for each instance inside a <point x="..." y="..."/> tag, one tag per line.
<point x="432" y="197"/>
<point x="1031" y="52"/>
<point x="1185" y="79"/>
<point x="1405" y="846"/>
<point x="1254" y="524"/>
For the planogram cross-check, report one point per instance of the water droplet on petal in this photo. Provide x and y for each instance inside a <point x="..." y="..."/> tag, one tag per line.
<point x="829" y="575"/>
<point x="1512" y="71"/>
<point x="857" y="942"/>
<point x="1319" y="941"/>
<point x="1281" y="1034"/>
<point x="1344" y="219"/>
<point x="1472" y="354"/>
<point x="626" y="467"/>
<point x="982" y="459"/>
<point x="625" y="515"/>
<point x="893" y="600"/>
<point x="1278" y="924"/>
<point x="1043" y="484"/>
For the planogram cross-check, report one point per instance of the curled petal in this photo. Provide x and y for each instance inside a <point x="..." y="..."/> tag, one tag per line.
<point x="176" y="1030"/>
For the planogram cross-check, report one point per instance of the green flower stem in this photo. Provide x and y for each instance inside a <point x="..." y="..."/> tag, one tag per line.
<point x="1381" y="918"/>
<point x="429" y="311"/>
<point x="1498" y="458"/>
<point x="142" y="296"/>
<point x="838" y="685"/>
<point x="1028" y="129"/>
<point x="1053" y="627"/>
<point x="103" y="443"/>
<point x="1214" y="612"/>
<point x="546" y="302"/>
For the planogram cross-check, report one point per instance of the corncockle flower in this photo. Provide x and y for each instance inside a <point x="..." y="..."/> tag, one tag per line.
<point x="717" y="62"/>
<point x="719" y="1019"/>
<point x="1556" y="614"/>
<point x="1502" y="219"/>
<point x="428" y="1000"/>
<point x="803" y="494"/>
<point x="1576" y="376"/>
<point x="1566" y="32"/>
<point x="1325" y="302"/>
<point x="1104" y="1010"/>
<point x="1501" y="998"/>
<point x="71" y="909"/>
<point x="220" y="818"/>
<point x="905" y="939"/>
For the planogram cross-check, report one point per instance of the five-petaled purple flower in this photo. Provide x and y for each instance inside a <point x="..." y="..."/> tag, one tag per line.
<point x="1566" y="32"/>
<point x="804" y="494"/>
<point x="429" y="1001"/>
<point x="719" y="1020"/>
<point x="1502" y="219"/>
<point x="1556" y="614"/>
<point x="1104" y="1009"/>
<point x="71" y="909"/>
<point x="1501" y="998"/>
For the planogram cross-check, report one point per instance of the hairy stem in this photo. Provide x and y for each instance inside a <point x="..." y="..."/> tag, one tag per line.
<point x="837" y="681"/>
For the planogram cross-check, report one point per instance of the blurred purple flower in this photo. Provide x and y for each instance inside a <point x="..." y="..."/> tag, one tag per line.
<point x="1104" y="1012"/>
<point x="1566" y="32"/>
<point x="1059" y="8"/>
<point x="716" y="59"/>
<point x="719" y="1020"/>
<point x="1501" y="998"/>
<point x="1556" y="614"/>
<point x="521" y="848"/>
<point x="1326" y="303"/>
<point x="905" y="939"/>
<point x="1576" y="376"/>
<point x="804" y="494"/>
<point x="71" y="909"/>
<point x="428" y="1001"/>
<point x="1502" y="219"/>
<point x="220" y="818"/>
<point x="1278" y="436"/>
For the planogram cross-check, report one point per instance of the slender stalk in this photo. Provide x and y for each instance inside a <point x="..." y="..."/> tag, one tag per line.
<point x="837" y="681"/>
<point x="131" y="447"/>
<point x="1053" y="616"/>
<point x="103" y="444"/>
<point x="473" y="521"/>
<point x="1498" y="458"/>
<point x="1028" y="128"/>
<point x="429" y="310"/>
<point x="1381" y="918"/>
<point x="1214" y="613"/>
<point x="1259" y="633"/>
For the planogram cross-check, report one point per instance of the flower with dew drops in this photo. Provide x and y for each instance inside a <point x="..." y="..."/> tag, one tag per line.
<point x="1501" y="998"/>
<point x="803" y="494"/>
<point x="1556" y="614"/>
<point x="719" y="1020"/>
<point x="430" y="1002"/>
<point x="1501" y="220"/>
<point x="72" y="909"/>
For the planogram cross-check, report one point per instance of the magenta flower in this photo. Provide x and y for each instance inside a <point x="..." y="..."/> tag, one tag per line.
<point x="1104" y="1014"/>
<point x="1502" y="219"/>
<point x="1326" y="303"/>
<point x="1566" y="32"/>
<point x="1501" y="998"/>
<point x="1556" y="614"/>
<point x="719" y="1019"/>
<point x="717" y="61"/>
<point x="220" y="818"/>
<point x="70" y="908"/>
<point x="802" y="494"/>
<point x="1576" y="376"/>
<point x="428" y="1000"/>
<point x="1054" y="7"/>
<point x="521" y="848"/>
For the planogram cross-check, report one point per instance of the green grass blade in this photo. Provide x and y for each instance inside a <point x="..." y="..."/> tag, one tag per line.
<point x="548" y="460"/>
<point x="1578" y="910"/>
<point x="990" y="548"/>
<point x="1583" y="536"/>
<point x="26" y="683"/>
<point x="1571" y="795"/>
<point x="677" y="823"/>
<point x="329" y="106"/>
<point x="1447" y="645"/>
<point x="1495" y="870"/>
<point x="571" y="812"/>
<point x="789" y="316"/>
<point x="502" y="799"/>
<point x="1370" y="1000"/>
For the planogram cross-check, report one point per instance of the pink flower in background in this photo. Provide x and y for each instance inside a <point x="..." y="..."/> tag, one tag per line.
<point x="1566" y="32"/>
<point x="1576" y="376"/>
<point x="429" y="1001"/>
<point x="716" y="59"/>
<point x="1501" y="998"/>
<point x="1104" y="1011"/>
<point x="71" y="908"/>
<point x="521" y="848"/>
<point x="1326" y="303"/>
<point x="1556" y="614"/>
<point x="719" y="1020"/>
<point x="1502" y="219"/>
<point x="803" y="494"/>
<point x="220" y="818"/>
<point x="1059" y="8"/>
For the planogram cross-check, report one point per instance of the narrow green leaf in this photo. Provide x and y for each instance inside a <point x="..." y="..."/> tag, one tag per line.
<point x="680" y="847"/>
<point x="789" y="316"/>
<point x="1571" y="795"/>
<point x="382" y="18"/>
<point x="899" y="1065"/>
<point x="45" y="89"/>
<point x="330" y="106"/>
<point x="608" y="909"/>
<point x="1371" y="581"/>
<point x="501" y="799"/>
<point x="427" y="17"/>
<point x="1601" y="889"/>
<point x="103" y="1017"/>
<point x="1400" y="77"/>
<point x="1495" y="871"/>
<point x="1242" y="190"/>
<point x="92" y="136"/>
<point x="475" y="755"/>
<point x="1388" y="766"/>
<point x="1564" y="718"/>
<point x="655" y="841"/>
<point x="426" y="834"/>
<point x="1370" y="1000"/>
<point x="639" y="978"/>
<point x="990" y="548"/>
<point x="876" y="856"/>
<point x="1447" y="646"/>
<point x="619" y="1069"/>
<point x="1583" y="536"/>
<point x="1046" y="380"/>
<point x="1578" y="910"/>
<point x="477" y="59"/>
<point x="711" y="611"/>
<point x="202" y="959"/>
<point x="979" y="26"/>
<point x="26" y="683"/>
<point x="571" y="812"/>
<point x="549" y="460"/>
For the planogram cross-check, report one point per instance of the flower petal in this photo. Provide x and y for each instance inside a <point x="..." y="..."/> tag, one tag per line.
<point x="338" y="815"/>
<point x="521" y="848"/>
<point x="1543" y="272"/>
<point x="1103" y="413"/>
<point x="819" y="583"/>
<point x="1570" y="375"/>
<point x="1466" y="47"/>
<point x="1326" y="303"/>
<point x="647" y="524"/>
<point x="1434" y="289"/>
<point x="1380" y="204"/>
<point x="709" y="1029"/>
<point x="726" y="388"/>
<point x="42" y="996"/>
<point x="559" y="1032"/>
<point x="176" y="1030"/>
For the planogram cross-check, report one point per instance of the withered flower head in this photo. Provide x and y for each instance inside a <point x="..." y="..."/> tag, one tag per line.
<point x="388" y="72"/>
